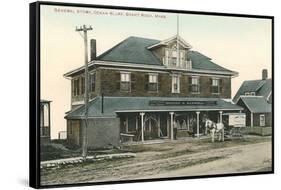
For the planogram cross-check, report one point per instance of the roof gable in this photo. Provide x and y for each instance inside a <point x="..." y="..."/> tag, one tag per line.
<point x="181" y="41"/>
<point x="256" y="104"/>
<point x="260" y="87"/>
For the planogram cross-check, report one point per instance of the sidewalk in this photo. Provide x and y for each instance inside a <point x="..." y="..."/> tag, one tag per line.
<point x="74" y="160"/>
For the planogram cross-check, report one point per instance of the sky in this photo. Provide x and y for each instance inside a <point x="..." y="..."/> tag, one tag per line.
<point x="238" y="44"/>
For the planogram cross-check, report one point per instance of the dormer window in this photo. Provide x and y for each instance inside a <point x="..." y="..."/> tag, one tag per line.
<point x="170" y="58"/>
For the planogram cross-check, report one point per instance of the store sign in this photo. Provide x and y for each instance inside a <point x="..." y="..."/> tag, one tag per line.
<point x="237" y="120"/>
<point x="181" y="103"/>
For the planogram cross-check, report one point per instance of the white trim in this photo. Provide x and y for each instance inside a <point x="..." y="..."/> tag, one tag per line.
<point x="181" y="110"/>
<point x="269" y="95"/>
<point x="165" y="42"/>
<point x="132" y="70"/>
<point x="75" y="103"/>
<point x="147" y="66"/>
<point x="175" y="78"/>
<point x="262" y="115"/>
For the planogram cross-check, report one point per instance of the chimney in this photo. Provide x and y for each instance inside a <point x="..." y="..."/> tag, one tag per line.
<point x="264" y="74"/>
<point x="93" y="49"/>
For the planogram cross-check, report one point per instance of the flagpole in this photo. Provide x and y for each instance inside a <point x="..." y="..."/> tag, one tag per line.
<point x="178" y="53"/>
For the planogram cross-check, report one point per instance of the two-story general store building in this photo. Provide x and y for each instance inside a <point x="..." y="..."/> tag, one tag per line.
<point x="141" y="86"/>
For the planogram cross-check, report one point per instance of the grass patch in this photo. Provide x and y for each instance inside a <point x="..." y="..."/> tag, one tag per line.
<point x="232" y="142"/>
<point x="193" y="162"/>
<point x="51" y="152"/>
<point x="145" y="148"/>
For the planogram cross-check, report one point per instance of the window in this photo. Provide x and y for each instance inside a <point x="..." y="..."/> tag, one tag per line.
<point x="125" y="84"/>
<point x="82" y="85"/>
<point x="171" y="55"/>
<point x="76" y="87"/>
<point x="252" y="93"/>
<point x="262" y="120"/>
<point x="92" y="82"/>
<point x="194" y="87"/>
<point x="152" y="82"/>
<point x="175" y="84"/>
<point x="215" y="86"/>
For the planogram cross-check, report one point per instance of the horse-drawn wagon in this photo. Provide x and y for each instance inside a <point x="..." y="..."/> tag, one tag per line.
<point x="234" y="124"/>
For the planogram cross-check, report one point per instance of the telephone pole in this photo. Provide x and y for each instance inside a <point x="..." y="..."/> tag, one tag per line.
<point x="85" y="29"/>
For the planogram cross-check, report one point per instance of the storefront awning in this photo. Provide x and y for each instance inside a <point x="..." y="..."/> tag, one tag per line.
<point x="114" y="105"/>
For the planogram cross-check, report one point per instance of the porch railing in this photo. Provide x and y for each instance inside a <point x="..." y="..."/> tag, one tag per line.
<point x="172" y="63"/>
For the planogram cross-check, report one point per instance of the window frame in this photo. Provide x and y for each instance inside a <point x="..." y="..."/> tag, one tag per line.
<point x="262" y="115"/>
<point x="76" y="86"/>
<point x="217" y="86"/>
<point x="92" y="76"/>
<point x="150" y="82"/>
<point x="129" y="81"/>
<point x="198" y="84"/>
<point x="176" y="91"/>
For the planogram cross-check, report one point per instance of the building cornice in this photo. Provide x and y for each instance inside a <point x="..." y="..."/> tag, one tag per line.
<point x="149" y="67"/>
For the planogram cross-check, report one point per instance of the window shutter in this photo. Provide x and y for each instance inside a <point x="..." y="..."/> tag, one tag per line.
<point x="189" y="83"/>
<point x="199" y="84"/>
<point x="211" y="85"/>
<point x="146" y="81"/>
<point x="94" y="82"/>
<point x="72" y="87"/>
<point x="220" y="86"/>
<point x="117" y="79"/>
<point x="78" y="86"/>
<point x="159" y="82"/>
<point x="133" y="81"/>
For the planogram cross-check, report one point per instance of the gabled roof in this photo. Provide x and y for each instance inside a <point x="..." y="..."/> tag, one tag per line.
<point x="135" y="51"/>
<point x="202" y="62"/>
<point x="132" y="50"/>
<point x="256" y="104"/>
<point x="112" y="105"/>
<point x="260" y="87"/>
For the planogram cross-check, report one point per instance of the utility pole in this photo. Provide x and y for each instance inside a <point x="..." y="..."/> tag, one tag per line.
<point x="85" y="29"/>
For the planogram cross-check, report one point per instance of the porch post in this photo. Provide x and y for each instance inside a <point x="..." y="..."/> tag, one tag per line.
<point x="252" y="120"/>
<point x="222" y="135"/>
<point x="172" y="121"/>
<point x="220" y="116"/>
<point x="187" y="121"/>
<point x="137" y="123"/>
<point x="198" y="112"/>
<point x="158" y="125"/>
<point x="127" y="123"/>
<point x="142" y="126"/>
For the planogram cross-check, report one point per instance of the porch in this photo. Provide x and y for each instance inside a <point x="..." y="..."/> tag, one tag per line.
<point x="159" y="126"/>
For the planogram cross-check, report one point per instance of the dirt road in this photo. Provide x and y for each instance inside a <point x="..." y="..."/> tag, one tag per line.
<point x="171" y="160"/>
